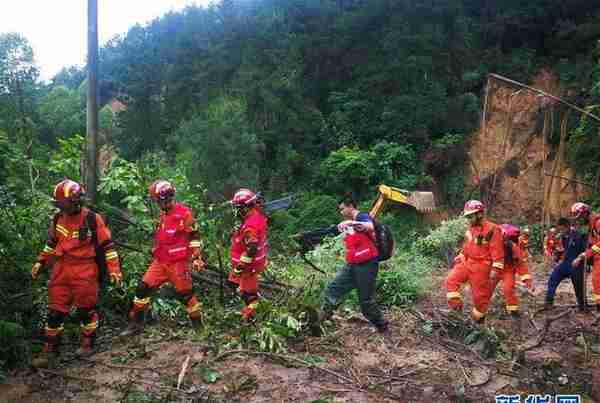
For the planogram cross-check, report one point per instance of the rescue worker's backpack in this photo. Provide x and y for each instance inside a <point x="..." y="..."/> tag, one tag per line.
<point x="384" y="240"/>
<point x="100" y="258"/>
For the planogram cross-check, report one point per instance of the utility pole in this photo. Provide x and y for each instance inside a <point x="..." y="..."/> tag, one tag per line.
<point x="91" y="166"/>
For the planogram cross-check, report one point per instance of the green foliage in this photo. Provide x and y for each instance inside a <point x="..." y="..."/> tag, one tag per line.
<point x="14" y="346"/>
<point x="443" y="240"/>
<point x="63" y="114"/>
<point x="406" y="279"/>
<point x="219" y="147"/>
<point x="356" y="170"/>
<point x="66" y="162"/>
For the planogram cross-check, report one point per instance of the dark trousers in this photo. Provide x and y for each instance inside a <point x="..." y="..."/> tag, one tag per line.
<point x="362" y="277"/>
<point x="562" y="271"/>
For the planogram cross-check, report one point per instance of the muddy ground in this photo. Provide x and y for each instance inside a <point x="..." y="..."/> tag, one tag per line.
<point x="429" y="355"/>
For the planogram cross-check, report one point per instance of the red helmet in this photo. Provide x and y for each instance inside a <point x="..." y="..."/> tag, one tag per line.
<point x="68" y="190"/>
<point x="579" y="210"/>
<point x="161" y="190"/>
<point x="473" y="206"/>
<point x="244" y="198"/>
<point x="510" y="231"/>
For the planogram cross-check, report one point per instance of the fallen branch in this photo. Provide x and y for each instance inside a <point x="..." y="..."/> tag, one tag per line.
<point x="486" y="380"/>
<point x="542" y="335"/>
<point x="184" y="368"/>
<point x="400" y="376"/>
<point x="128" y="367"/>
<point x="71" y="377"/>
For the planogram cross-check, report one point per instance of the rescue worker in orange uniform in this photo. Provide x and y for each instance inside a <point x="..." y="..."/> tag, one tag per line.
<point x="524" y="243"/>
<point x="585" y="217"/>
<point x="71" y="251"/>
<point x="482" y="250"/>
<point x="515" y="269"/>
<point x="249" y="249"/>
<point x="550" y="245"/>
<point x="177" y="246"/>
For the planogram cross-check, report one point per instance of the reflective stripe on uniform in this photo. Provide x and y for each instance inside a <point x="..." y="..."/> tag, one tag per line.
<point x="62" y="230"/>
<point x="245" y="258"/>
<point x="512" y="308"/>
<point x="498" y="265"/>
<point x="194" y="308"/>
<point x="453" y="294"/>
<point x="141" y="301"/>
<point x="111" y="255"/>
<point x="90" y="327"/>
<point x="596" y="249"/>
<point x="526" y="277"/>
<point x="51" y="331"/>
<point x="362" y="252"/>
<point x="195" y="244"/>
<point x="48" y="249"/>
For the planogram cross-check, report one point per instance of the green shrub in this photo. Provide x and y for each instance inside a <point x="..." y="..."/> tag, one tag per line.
<point x="442" y="242"/>
<point x="14" y="345"/>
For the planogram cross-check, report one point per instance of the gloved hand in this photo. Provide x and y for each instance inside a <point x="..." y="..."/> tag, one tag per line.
<point x="35" y="270"/>
<point x="578" y="260"/>
<point x="116" y="279"/>
<point x="198" y="264"/>
<point x="529" y="285"/>
<point x="460" y="258"/>
<point x="238" y="270"/>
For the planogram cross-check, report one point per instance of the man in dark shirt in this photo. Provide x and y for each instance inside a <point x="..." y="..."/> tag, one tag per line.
<point x="362" y="263"/>
<point x="574" y="243"/>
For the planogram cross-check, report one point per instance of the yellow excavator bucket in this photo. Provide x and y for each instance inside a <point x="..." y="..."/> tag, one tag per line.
<point x="422" y="201"/>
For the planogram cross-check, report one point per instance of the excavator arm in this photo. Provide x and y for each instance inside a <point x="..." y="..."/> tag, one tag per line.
<point x="422" y="201"/>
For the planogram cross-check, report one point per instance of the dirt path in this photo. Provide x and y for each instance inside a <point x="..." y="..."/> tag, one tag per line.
<point x="429" y="356"/>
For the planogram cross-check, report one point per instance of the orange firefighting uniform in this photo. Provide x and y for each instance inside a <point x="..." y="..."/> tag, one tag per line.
<point x="483" y="248"/>
<point x="74" y="280"/>
<point x="551" y="243"/>
<point x="593" y="252"/>
<point x="175" y="244"/>
<point x="252" y="231"/>
<point x="516" y="270"/>
<point x="524" y="244"/>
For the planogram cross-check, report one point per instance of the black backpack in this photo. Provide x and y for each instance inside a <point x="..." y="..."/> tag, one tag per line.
<point x="384" y="241"/>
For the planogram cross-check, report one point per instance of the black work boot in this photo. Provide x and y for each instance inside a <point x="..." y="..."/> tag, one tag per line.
<point x="383" y="328"/>
<point x="515" y="315"/>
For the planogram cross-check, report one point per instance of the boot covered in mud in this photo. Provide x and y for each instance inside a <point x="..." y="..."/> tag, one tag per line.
<point x="48" y="357"/>
<point x="137" y="319"/>
<point x="49" y="354"/>
<point x="86" y="346"/>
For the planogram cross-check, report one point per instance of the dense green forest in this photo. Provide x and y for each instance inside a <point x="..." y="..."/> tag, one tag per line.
<point x="314" y="98"/>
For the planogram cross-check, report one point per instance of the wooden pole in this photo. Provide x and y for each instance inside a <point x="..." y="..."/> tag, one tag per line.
<point x="91" y="171"/>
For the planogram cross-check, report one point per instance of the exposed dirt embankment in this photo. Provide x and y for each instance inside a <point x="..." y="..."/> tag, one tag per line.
<point x="511" y="157"/>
